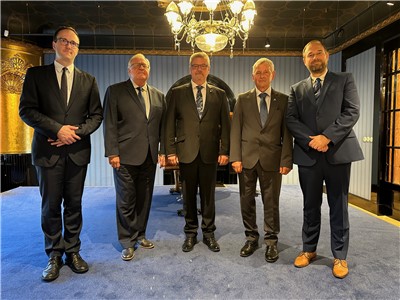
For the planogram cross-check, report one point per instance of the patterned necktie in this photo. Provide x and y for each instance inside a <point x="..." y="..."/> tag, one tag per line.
<point x="317" y="88"/>
<point x="263" y="108"/>
<point x="141" y="98"/>
<point x="64" y="86"/>
<point x="199" y="100"/>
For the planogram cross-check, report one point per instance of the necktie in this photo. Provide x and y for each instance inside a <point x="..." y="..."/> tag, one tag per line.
<point x="199" y="100"/>
<point x="141" y="98"/>
<point x="317" y="88"/>
<point x="263" y="108"/>
<point x="64" y="86"/>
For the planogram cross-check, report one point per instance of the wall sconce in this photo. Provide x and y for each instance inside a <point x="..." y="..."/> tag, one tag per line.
<point x="6" y="33"/>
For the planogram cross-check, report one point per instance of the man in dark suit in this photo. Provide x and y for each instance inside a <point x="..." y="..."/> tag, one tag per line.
<point x="133" y="118"/>
<point x="261" y="148"/>
<point x="63" y="106"/>
<point x="322" y="111"/>
<point x="197" y="137"/>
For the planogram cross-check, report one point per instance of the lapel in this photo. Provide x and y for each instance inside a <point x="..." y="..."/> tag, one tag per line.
<point x="77" y="83"/>
<point x="253" y="105"/>
<point x="309" y="90"/>
<point x="152" y="98"/>
<point x="53" y="84"/>
<point x="273" y="106"/>
<point x="209" y="98"/>
<point x="189" y="95"/>
<point x="133" y="93"/>
<point x="326" y="84"/>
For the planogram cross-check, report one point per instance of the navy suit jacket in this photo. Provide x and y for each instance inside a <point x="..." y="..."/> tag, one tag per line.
<point x="127" y="131"/>
<point x="187" y="135"/>
<point x="42" y="108"/>
<point x="334" y="116"/>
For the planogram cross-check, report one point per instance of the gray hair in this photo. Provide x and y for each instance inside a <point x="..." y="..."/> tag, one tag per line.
<point x="199" y="54"/>
<point x="138" y="55"/>
<point x="263" y="60"/>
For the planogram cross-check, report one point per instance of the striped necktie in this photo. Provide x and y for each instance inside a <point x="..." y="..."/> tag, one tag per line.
<point x="263" y="108"/>
<point x="199" y="100"/>
<point x="317" y="88"/>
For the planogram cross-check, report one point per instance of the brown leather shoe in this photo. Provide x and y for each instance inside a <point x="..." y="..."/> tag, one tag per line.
<point x="304" y="259"/>
<point x="146" y="244"/>
<point x="128" y="254"/>
<point x="340" y="269"/>
<point x="52" y="270"/>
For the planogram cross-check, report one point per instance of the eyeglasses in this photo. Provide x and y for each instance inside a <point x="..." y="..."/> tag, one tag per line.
<point x="139" y="65"/>
<point x="202" y="67"/>
<point x="258" y="73"/>
<point x="65" y="42"/>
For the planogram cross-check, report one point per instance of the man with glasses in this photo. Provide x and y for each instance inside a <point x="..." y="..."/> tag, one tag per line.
<point x="62" y="104"/>
<point x="197" y="138"/>
<point x="133" y="116"/>
<point x="261" y="149"/>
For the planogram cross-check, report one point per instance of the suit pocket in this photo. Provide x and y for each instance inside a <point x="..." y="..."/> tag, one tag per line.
<point x="179" y="139"/>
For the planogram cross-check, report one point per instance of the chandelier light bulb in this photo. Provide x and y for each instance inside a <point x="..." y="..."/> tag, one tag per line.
<point x="236" y="6"/>
<point x="185" y="6"/>
<point x="211" y="4"/>
<point x="172" y="12"/>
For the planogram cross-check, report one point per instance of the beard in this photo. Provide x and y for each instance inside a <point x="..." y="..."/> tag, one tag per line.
<point x="317" y="67"/>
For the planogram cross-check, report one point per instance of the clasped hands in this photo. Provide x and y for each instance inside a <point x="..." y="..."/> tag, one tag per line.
<point x="319" y="143"/>
<point x="65" y="136"/>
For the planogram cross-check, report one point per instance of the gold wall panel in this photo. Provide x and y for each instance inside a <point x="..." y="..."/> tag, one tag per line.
<point x="16" y="58"/>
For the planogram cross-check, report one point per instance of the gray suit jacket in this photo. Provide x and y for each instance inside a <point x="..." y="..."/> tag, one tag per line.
<point x="187" y="135"/>
<point x="42" y="108"/>
<point x="334" y="116"/>
<point x="127" y="131"/>
<point x="272" y="144"/>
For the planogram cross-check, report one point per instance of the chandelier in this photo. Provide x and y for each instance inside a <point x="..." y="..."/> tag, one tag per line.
<point x="227" y="19"/>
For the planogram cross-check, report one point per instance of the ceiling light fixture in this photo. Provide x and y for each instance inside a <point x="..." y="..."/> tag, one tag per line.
<point x="390" y="3"/>
<point x="212" y="34"/>
<point x="267" y="43"/>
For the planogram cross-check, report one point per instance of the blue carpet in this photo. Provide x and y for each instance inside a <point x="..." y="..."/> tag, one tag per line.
<point x="168" y="273"/>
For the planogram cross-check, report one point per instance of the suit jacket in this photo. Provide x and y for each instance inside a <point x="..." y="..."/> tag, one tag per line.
<point x="187" y="135"/>
<point x="272" y="144"/>
<point x="334" y="116"/>
<point x="41" y="107"/>
<point x="127" y="131"/>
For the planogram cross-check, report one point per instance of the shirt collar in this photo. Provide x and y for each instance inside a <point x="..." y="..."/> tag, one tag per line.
<point x="136" y="86"/>
<point x="194" y="86"/>
<point x="322" y="77"/>
<point x="59" y="67"/>
<point x="267" y="91"/>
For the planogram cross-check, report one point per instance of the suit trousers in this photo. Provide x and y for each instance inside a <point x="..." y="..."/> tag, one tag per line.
<point x="134" y="187"/>
<point x="337" y="179"/>
<point x="62" y="184"/>
<point x="270" y="185"/>
<point x="193" y="175"/>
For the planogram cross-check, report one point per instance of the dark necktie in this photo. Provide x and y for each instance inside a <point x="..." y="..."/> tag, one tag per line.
<point x="64" y="86"/>
<point x="140" y="96"/>
<point x="263" y="108"/>
<point x="317" y="88"/>
<point x="199" y="100"/>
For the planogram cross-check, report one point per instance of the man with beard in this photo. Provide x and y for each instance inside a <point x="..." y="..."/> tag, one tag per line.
<point x="322" y="111"/>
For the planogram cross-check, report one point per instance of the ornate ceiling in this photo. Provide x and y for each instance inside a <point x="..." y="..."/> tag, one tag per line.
<point x="141" y="25"/>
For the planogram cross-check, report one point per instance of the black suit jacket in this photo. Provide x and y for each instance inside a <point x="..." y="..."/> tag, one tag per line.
<point x="187" y="135"/>
<point x="42" y="108"/>
<point x="127" y="131"/>
<point x="334" y="116"/>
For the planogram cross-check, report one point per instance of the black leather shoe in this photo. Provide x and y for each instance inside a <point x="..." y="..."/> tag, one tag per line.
<point x="76" y="263"/>
<point x="128" y="254"/>
<point x="211" y="243"/>
<point x="52" y="269"/>
<point x="248" y="248"/>
<point x="144" y="243"/>
<point x="271" y="254"/>
<point x="189" y="244"/>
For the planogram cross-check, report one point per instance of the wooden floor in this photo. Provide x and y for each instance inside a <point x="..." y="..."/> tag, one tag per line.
<point x="371" y="206"/>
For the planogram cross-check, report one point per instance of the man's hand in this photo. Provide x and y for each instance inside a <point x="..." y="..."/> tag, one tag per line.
<point x="319" y="143"/>
<point x="114" y="161"/>
<point x="284" y="170"/>
<point x="161" y="160"/>
<point x="237" y="166"/>
<point x="67" y="134"/>
<point x="173" y="160"/>
<point x="56" y="143"/>
<point x="223" y="160"/>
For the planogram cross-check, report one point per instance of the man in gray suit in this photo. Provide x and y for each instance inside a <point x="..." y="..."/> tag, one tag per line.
<point x="197" y="137"/>
<point x="261" y="148"/>
<point x="62" y="104"/>
<point x="133" y="117"/>
<point x="322" y="111"/>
